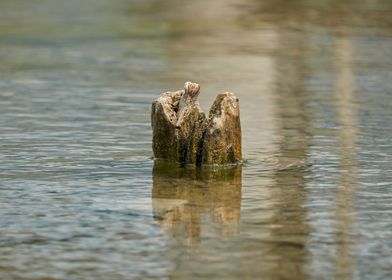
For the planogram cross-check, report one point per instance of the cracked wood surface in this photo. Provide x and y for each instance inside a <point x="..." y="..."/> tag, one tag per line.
<point x="182" y="133"/>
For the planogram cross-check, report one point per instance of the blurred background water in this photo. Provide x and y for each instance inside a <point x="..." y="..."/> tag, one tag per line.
<point x="81" y="198"/>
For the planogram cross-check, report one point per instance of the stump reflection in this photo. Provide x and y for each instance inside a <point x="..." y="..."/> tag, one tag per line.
<point x="196" y="203"/>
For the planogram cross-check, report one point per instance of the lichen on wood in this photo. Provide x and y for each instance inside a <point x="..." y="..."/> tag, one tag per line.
<point x="182" y="133"/>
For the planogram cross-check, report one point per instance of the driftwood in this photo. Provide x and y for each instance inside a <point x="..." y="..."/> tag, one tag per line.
<point x="182" y="133"/>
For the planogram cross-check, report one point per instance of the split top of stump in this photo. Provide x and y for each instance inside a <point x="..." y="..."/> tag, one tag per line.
<point x="182" y="133"/>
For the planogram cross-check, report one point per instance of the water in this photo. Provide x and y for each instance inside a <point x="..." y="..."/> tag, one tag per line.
<point x="81" y="198"/>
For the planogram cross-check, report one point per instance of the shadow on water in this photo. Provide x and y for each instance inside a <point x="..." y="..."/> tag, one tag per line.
<point x="185" y="200"/>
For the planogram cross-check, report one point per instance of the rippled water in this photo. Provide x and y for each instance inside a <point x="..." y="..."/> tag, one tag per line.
<point x="81" y="197"/>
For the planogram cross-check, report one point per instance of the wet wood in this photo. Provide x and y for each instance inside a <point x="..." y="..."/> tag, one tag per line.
<point x="182" y="133"/>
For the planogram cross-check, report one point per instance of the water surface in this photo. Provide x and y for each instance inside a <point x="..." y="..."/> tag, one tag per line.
<point x="81" y="197"/>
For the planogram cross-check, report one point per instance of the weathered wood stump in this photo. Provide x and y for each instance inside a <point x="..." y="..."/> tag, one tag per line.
<point x="182" y="133"/>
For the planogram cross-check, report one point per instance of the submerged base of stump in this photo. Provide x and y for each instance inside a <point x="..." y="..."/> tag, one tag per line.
<point x="182" y="133"/>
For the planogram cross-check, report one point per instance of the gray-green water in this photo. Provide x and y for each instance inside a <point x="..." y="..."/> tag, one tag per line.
<point x="80" y="197"/>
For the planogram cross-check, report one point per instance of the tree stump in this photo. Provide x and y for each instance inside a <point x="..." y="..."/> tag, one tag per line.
<point x="182" y="133"/>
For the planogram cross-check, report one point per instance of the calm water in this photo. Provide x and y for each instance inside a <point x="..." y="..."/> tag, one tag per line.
<point x="81" y="197"/>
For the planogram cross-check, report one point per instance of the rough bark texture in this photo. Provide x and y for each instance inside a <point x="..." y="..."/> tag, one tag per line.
<point x="222" y="137"/>
<point x="183" y="134"/>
